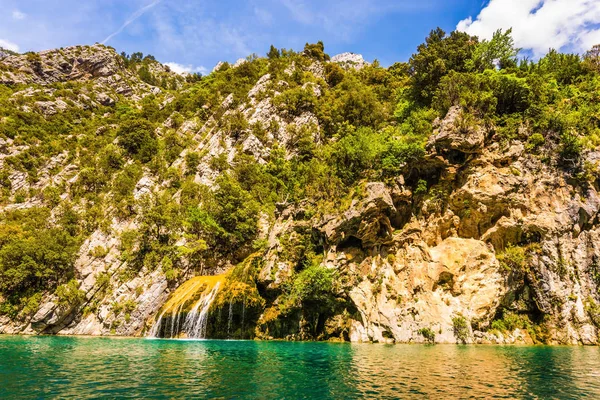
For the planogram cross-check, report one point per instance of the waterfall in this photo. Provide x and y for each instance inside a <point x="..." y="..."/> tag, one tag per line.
<point x="195" y="322"/>
<point x="243" y="315"/>
<point x="176" y="320"/>
<point x="229" y="318"/>
<point x="156" y="327"/>
<point x="187" y="309"/>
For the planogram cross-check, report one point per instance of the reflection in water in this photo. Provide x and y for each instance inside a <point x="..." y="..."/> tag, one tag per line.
<point x="47" y="367"/>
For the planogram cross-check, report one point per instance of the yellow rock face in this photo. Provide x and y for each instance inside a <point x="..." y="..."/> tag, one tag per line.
<point x="189" y="293"/>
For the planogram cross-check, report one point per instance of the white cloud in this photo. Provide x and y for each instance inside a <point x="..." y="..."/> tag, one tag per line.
<point x="185" y="69"/>
<point x="539" y="25"/>
<point x="9" y="45"/>
<point x="18" y="15"/>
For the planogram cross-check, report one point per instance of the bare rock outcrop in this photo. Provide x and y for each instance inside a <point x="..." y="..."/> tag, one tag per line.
<point x="367" y="220"/>
<point x="454" y="133"/>
<point x="350" y="61"/>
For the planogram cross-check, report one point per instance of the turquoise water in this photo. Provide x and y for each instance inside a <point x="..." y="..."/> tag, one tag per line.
<point x="67" y="367"/>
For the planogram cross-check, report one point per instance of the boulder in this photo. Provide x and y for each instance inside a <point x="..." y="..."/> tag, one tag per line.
<point x="451" y="134"/>
<point x="105" y="100"/>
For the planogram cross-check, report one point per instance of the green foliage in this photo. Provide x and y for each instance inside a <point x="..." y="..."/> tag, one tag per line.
<point x="146" y="76"/>
<point x="126" y="308"/>
<point x="235" y="124"/>
<point x="167" y="266"/>
<point x="513" y="258"/>
<point x="159" y="219"/>
<point x="316" y="51"/>
<point x="236" y="211"/>
<point x="111" y="158"/>
<point x="511" y="321"/>
<point x="69" y="295"/>
<point x="485" y="94"/>
<point x="219" y="163"/>
<point x="202" y="224"/>
<point x="273" y="53"/>
<point x="591" y="59"/>
<point x="192" y="159"/>
<point x="570" y="147"/>
<point x="355" y="152"/>
<point x="499" y="51"/>
<point x="593" y="310"/>
<point x="512" y="93"/>
<point x="372" y="125"/>
<point x="138" y="138"/>
<point x="351" y="102"/>
<point x="421" y="188"/>
<point x="565" y="68"/>
<point x="460" y="327"/>
<point x="33" y="257"/>
<point x="435" y="58"/>
<point x="99" y="252"/>
<point x="313" y="284"/>
<point x="312" y="290"/>
<point x="398" y="154"/>
<point x="334" y="74"/>
<point x="428" y="334"/>
<point x="534" y="142"/>
<point x="296" y="101"/>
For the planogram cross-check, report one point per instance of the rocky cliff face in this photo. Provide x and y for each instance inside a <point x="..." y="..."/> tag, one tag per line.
<point x="409" y="264"/>
<point x="497" y="234"/>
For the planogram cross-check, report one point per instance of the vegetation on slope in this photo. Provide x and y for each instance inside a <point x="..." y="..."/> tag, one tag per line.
<point x="374" y="123"/>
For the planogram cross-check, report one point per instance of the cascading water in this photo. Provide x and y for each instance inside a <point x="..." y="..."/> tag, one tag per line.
<point x="229" y="318"/>
<point x="195" y="321"/>
<point x="243" y="313"/>
<point x="186" y="312"/>
<point x="156" y="327"/>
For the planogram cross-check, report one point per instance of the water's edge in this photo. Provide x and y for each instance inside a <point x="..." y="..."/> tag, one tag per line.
<point x="301" y="341"/>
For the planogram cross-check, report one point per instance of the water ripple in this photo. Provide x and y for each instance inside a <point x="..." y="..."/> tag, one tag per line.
<point x="66" y="367"/>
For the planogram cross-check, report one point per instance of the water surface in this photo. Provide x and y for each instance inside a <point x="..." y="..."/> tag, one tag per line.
<point x="69" y="367"/>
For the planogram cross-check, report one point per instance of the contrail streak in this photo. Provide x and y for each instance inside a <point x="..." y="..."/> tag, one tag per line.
<point x="133" y="17"/>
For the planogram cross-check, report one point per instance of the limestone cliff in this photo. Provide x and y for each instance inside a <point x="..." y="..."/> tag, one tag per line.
<point x="482" y="242"/>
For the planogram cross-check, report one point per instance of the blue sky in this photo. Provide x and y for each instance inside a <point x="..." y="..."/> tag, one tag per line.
<point x="195" y="35"/>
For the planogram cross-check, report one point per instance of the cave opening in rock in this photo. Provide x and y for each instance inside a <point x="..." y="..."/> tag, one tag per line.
<point x="456" y="156"/>
<point x="350" y="242"/>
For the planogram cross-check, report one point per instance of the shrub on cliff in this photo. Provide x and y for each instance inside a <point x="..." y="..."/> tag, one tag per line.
<point x="316" y="51"/>
<point x="137" y="137"/>
<point x="460" y="327"/>
<point x="428" y="334"/>
<point x="313" y="285"/>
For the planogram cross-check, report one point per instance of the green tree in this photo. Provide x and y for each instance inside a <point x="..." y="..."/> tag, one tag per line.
<point x="236" y="211"/>
<point x="160" y="218"/>
<point x="435" y="58"/>
<point x="146" y="76"/>
<point x="357" y="151"/>
<point x="316" y="51"/>
<point x="565" y="68"/>
<point x="334" y="74"/>
<point x="500" y="52"/>
<point x="591" y="59"/>
<point x="313" y="285"/>
<point x="34" y="257"/>
<point x="138" y="138"/>
<point x="273" y="53"/>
